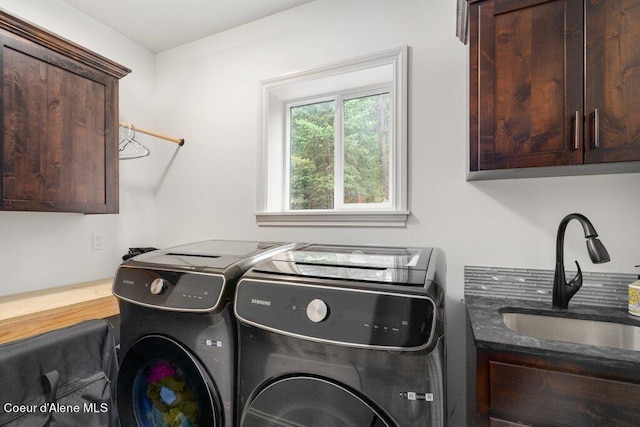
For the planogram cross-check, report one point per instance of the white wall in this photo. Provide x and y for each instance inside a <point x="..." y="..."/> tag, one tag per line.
<point x="208" y="92"/>
<point x="41" y="250"/>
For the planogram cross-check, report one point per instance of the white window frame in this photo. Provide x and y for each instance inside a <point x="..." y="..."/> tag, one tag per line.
<point x="279" y="94"/>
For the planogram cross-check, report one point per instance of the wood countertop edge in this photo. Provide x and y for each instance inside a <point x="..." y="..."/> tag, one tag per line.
<point x="65" y="306"/>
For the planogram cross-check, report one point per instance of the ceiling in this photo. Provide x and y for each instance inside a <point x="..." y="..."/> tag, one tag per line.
<point x="163" y="24"/>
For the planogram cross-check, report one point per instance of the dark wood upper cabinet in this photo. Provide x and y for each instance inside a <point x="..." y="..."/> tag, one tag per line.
<point x="612" y="81"/>
<point x="554" y="83"/>
<point x="60" y="123"/>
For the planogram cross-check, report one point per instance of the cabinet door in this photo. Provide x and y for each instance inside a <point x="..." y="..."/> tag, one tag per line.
<point x="59" y="140"/>
<point x="516" y="389"/>
<point x="526" y="78"/>
<point x="612" y="81"/>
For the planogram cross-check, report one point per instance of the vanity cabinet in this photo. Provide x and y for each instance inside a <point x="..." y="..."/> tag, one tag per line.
<point x="59" y="123"/>
<point x="554" y="87"/>
<point x="516" y="390"/>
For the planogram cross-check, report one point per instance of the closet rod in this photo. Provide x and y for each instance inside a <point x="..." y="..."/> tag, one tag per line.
<point x="179" y="141"/>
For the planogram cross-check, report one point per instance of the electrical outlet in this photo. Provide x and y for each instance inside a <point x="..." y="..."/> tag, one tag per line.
<point x="97" y="242"/>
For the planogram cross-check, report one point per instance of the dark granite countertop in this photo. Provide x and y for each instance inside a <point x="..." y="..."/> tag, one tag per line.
<point x="490" y="332"/>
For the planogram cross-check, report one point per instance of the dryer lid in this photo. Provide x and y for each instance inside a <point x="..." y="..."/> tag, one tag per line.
<point x="391" y="265"/>
<point x="209" y="254"/>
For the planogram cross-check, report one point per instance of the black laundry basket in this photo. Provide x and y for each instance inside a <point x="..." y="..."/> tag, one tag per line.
<point x="61" y="378"/>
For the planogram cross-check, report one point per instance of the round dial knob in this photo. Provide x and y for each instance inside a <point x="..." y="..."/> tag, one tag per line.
<point x="158" y="286"/>
<point x="317" y="310"/>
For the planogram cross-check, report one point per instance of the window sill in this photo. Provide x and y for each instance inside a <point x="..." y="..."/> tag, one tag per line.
<point x="333" y="219"/>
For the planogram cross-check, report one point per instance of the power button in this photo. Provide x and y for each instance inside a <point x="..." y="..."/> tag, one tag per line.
<point x="158" y="286"/>
<point x="317" y="310"/>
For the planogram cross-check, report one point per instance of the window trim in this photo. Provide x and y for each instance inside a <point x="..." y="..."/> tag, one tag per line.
<point x="277" y="213"/>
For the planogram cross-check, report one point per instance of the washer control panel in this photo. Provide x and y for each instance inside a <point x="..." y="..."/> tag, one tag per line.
<point x="169" y="290"/>
<point x="339" y="315"/>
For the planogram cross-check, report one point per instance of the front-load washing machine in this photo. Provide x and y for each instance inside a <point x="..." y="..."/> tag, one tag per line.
<point x="178" y="334"/>
<point x="343" y="336"/>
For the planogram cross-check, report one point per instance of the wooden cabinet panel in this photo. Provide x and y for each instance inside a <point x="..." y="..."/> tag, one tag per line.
<point x="59" y="119"/>
<point x="612" y="80"/>
<point x="52" y="116"/>
<point x="514" y="389"/>
<point x="528" y="52"/>
<point x="529" y="81"/>
<point x="525" y="86"/>
<point x="554" y="83"/>
<point x="540" y="396"/>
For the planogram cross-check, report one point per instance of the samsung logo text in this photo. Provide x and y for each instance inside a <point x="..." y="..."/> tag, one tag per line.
<point x="260" y="302"/>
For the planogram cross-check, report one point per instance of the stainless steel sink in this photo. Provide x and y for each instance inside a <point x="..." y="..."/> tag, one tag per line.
<point x="579" y="331"/>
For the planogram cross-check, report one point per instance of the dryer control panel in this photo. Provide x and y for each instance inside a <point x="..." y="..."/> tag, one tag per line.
<point x="352" y="317"/>
<point x="169" y="290"/>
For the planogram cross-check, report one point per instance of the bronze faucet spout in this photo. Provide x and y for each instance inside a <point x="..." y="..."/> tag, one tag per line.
<point x="563" y="291"/>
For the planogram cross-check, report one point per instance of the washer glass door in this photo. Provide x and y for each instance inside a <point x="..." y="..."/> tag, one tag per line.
<point x="310" y="402"/>
<point x="161" y="384"/>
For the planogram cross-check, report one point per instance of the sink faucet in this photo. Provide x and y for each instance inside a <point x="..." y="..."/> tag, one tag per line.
<point x="563" y="291"/>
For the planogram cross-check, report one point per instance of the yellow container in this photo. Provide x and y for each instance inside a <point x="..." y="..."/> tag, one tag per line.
<point x="634" y="298"/>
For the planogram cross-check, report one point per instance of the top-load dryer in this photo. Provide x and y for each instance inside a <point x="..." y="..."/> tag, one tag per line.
<point x="178" y="333"/>
<point x="343" y="336"/>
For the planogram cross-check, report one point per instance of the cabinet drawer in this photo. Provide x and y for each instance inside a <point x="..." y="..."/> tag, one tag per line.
<point x="540" y="396"/>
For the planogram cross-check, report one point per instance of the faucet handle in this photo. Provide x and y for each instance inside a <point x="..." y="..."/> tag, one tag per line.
<point x="576" y="282"/>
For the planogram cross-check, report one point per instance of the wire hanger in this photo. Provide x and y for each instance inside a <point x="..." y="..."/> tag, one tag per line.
<point x="129" y="148"/>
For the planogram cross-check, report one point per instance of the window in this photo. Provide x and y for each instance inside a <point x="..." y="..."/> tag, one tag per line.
<point x="334" y="145"/>
<point x="338" y="156"/>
